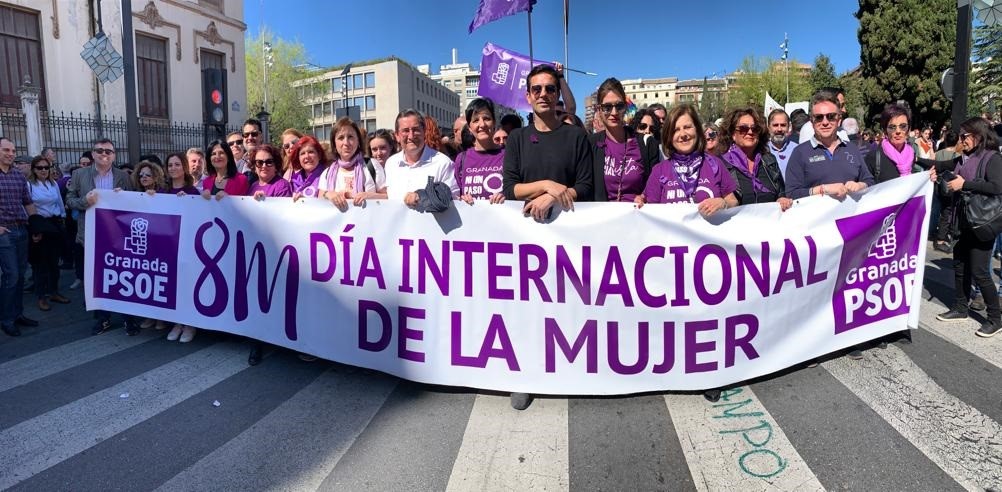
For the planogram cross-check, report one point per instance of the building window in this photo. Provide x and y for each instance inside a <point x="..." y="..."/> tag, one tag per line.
<point x="216" y="5"/>
<point x="370" y="103"/>
<point x="370" y="125"/>
<point x="472" y="92"/>
<point x="336" y="85"/>
<point x="357" y="101"/>
<point x="151" y="75"/>
<point x="370" y="80"/>
<point x="357" y="81"/>
<point x="20" y="54"/>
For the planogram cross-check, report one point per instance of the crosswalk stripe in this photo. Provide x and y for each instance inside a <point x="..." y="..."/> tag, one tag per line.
<point x="955" y="436"/>
<point x="47" y="362"/>
<point x="317" y="426"/>
<point x="39" y="443"/>
<point x="506" y="449"/>
<point x="735" y="444"/>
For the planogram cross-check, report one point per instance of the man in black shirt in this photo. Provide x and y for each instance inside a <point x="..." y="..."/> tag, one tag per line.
<point x="546" y="163"/>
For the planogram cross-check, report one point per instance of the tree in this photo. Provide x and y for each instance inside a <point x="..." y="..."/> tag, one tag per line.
<point x="759" y="75"/>
<point x="905" y="46"/>
<point x="285" y="105"/>
<point x="986" y="74"/>
<point x="822" y="73"/>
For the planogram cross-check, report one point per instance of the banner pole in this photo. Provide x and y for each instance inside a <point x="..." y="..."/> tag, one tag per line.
<point x="532" y="61"/>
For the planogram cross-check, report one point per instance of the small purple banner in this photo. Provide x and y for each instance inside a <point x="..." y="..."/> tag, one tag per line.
<point x="136" y="258"/>
<point x="878" y="266"/>
<point x="492" y="10"/>
<point x="502" y="76"/>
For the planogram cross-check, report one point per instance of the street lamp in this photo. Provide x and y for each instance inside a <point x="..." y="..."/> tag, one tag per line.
<point x="267" y="61"/>
<point x="344" y="88"/>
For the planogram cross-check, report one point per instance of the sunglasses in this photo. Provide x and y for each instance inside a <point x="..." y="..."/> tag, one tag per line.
<point x="536" y="90"/>
<point x="747" y="129"/>
<point x="895" y="128"/>
<point x="264" y="163"/>
<point x="42" y="168"/>
<point x="643" y="127"/>
<point x="103" y="151"/>
<point x="236" y="142"/>
<point x="964" y="135"/>
<point x="145" y="175"/>
<point x="711" y="135"/>
<point x="288" y="145"/>
<point x="818" y="118"/>
<point x="608" y="107"/>
<point x="251" y="134"/>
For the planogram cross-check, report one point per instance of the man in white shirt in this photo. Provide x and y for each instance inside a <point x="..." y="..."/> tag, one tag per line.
<point x="408" y="170"/>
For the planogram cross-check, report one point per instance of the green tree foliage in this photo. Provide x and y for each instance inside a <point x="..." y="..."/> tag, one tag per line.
<point x="284" y="104"/>
<point x="759" y="75"/>
<point x="905" y="45"/>
<point x="986" y="74"/>
<point x="822" y="73"/>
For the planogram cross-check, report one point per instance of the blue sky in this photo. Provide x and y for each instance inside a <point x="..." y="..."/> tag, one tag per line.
<point x="687" y="39"/>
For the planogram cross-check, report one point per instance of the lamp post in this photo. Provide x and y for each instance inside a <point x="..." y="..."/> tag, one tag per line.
<point x="344" y="89"/>
<point x="786" y="59"/>
<point x="267" y="61"/>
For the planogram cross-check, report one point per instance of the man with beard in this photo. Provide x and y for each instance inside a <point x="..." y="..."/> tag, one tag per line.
<point x="779" y="138"/>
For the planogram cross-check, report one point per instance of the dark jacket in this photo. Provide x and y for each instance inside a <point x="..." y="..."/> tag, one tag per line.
<point x="884" y="169"/>
<point x="649" y="153"/>
<point x="768" y="174"/>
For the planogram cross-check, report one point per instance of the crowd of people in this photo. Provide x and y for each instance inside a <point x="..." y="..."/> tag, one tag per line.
<point x="655" y="155"/>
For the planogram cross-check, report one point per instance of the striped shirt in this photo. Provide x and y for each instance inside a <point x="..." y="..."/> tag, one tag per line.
<point x="104" y="181"/>
<point x="13" y="197"/>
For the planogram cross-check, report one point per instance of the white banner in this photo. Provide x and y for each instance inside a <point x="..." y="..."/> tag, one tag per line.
<point x="605" y="299"/>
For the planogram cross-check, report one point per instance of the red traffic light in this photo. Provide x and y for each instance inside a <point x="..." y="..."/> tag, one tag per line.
<point x="216" y="96"/>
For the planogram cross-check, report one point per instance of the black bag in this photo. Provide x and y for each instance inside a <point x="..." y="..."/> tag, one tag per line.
<point x="982" y="213"/>
<point x="435" y="197"/>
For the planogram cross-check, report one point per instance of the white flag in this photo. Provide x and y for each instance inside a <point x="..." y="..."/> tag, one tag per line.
<point x="771" y="104"/>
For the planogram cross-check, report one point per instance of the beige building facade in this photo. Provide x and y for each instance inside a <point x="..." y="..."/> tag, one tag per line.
<point x="174" y="41"/>
<point x="380" y="89"/>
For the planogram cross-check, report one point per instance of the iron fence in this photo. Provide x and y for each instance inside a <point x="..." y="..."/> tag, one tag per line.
<point x="71" y="134"/>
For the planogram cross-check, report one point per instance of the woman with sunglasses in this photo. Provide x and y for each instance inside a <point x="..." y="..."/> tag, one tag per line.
<point x="222" y="178"/>
<point x="622" y="157"/>
<point x="479" y="170"/>
<point x="267" y="161"/>
<point x="978" y="171"/>
<point x="713" y="140"/>
<point x="307" y="161"/>
<point x="690" y="174"/>
<point x="47" y="235"/>
<point x="290" y="137"/>
<point x="149" y="178"/>
<point x="351" y="176"/>
<point x="646" y="123"/>
<point x="753" y="167"/>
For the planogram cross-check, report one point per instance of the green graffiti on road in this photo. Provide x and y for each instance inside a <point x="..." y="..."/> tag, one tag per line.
<point x="759" y="461"/>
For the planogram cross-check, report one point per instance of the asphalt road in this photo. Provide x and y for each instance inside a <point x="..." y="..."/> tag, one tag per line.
<point x="111" y="412"/>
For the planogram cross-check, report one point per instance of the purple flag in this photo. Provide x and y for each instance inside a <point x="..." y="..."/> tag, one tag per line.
<point x="502" y="76"/>
<point x="492" y="10"/>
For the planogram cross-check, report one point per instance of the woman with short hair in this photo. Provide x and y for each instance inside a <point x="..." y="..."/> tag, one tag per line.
<point x="351" y="176"/>
<point x="267" y="163"/>
<point x="479" y="169"/>
<point x="307" y="161"/>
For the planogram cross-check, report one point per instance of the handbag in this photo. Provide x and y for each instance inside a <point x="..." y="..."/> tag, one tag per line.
<point x="982" y="213"/>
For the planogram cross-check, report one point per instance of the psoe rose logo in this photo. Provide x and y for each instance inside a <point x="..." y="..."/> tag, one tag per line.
<point x="501" y="75"/>
<point x="878" y="266"/>
<point x="136" y="257"/>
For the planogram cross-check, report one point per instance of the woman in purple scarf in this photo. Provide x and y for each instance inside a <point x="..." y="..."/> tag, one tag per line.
<point x="753" y="167"/>
<point x="690" y="174"/>
<point x="972" y="256"/>
<point x="351" y="177"/>
<point x="307" y="161"/>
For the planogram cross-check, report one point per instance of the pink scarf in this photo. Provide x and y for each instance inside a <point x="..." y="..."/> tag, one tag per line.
<point x="902" y="160"/>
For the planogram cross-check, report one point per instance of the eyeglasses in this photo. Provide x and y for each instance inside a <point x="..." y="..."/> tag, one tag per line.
<point x="42" y="168"/>
<point x="964" y="135"/>
<point x="711" y="135"/>
<point x="608" y="107"/>
<point x="897" y="128"/>
<point x="236" y="142"/>
<point x="288" y="145"/>
<point x="746" y="129"/>
<point x="818" y="118"/>
<point x="643" y="127"/>
<point x="536" y="90"/>
<point x="103" y="151"/>
<point x="264" y="163"/>
<point x="251" y="134"/>
<point x="145" y="175"/>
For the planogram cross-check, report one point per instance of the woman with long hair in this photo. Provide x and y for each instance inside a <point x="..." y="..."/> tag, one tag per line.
<point x="47" y="233"/>
<point x="753" y="167"/>
<point x="623" y="158"/>
<point x="290" y="137"/>
<point x="382" y="145"/>
<point x="179" y="180"/>
<point x="222" y="177"/>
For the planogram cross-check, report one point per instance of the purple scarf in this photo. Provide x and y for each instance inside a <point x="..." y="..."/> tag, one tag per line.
<point x="687" y="169"/>
<point x="738" y="160"/>
<point x="968" y="168"/>
<point x="356" y="163"/>
<point x="307" y="185"/>
<point x="902" y="160"/>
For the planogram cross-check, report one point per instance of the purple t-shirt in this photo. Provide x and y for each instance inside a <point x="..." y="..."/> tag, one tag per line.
<point x="277" y="187"/>
<point x="480" y="173"/>
<point x="188" y="190"/>
<point x="624" y="173"/>
<point x="714" y="182"/>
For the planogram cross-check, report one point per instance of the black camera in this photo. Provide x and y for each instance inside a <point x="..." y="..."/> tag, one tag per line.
<point x="944" y="178"/>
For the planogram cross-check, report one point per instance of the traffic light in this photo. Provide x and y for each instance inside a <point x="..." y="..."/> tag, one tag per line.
<point x="214" y="96"/>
